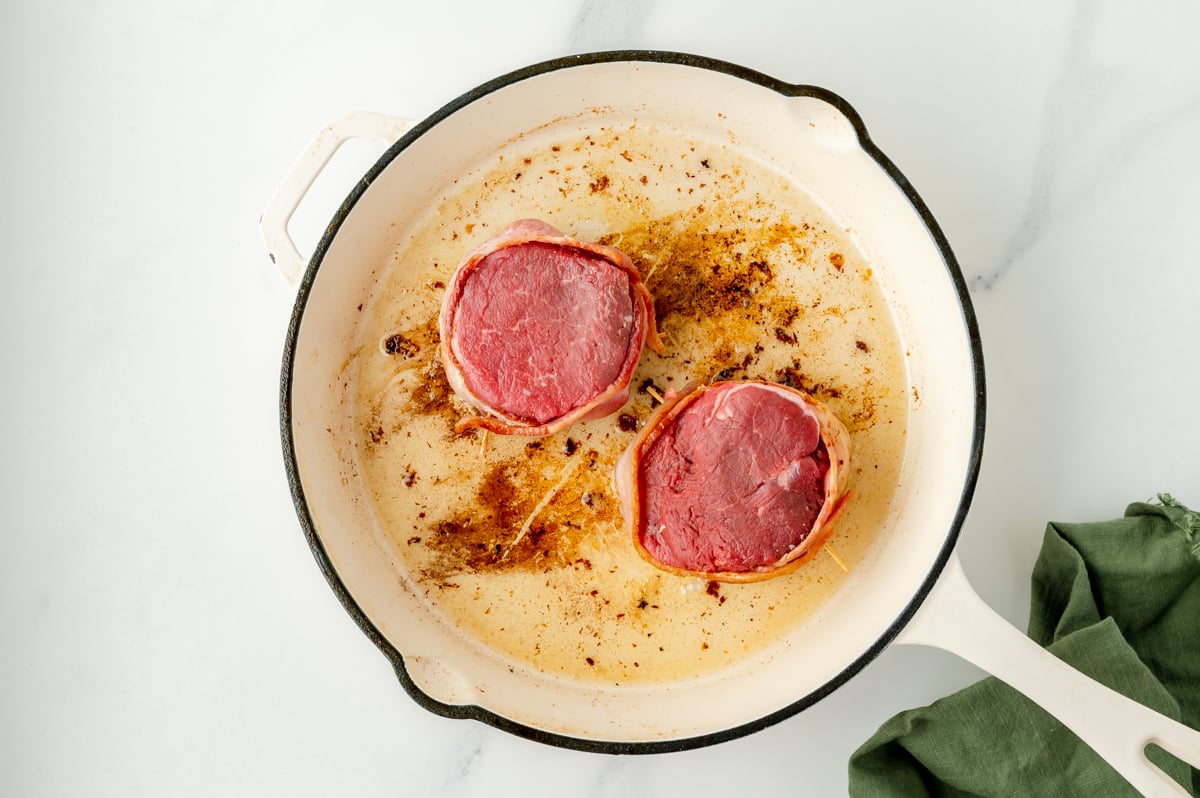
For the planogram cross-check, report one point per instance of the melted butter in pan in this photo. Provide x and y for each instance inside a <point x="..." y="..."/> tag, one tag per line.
<point x="519" y="543"/>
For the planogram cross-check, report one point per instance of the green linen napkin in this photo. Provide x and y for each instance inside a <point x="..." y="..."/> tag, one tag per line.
<point x="1118" y="600"/>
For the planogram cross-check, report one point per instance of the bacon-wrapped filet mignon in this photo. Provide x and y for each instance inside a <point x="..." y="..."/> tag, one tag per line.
<point x="540" y="330"/>
<point x="734" y="481"/>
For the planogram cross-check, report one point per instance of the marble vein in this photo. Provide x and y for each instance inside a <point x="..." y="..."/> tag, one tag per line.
<point x="466" y="755"/>
<point x="1082" y="89"/>
<point x="609" y="25"/>
<point x="1067" y="111"/>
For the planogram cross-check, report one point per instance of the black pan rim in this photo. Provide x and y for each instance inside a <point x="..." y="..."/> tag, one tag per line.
<point x="475" y="712"/>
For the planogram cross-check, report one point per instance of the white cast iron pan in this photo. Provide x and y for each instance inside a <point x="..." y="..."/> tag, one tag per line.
<point x="909" y="589"/>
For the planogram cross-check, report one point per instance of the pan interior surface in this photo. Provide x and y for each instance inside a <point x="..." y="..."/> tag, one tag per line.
<point x="776" y="247"/>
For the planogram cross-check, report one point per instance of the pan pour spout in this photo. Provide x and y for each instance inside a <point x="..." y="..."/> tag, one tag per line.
<point x="735" y="481"/>
<point x="540" y="330"/>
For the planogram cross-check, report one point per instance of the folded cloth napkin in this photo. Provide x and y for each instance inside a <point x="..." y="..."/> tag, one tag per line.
<point x="1118" y="600"/>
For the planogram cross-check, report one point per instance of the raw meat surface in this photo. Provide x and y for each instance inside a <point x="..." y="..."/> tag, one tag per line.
<point x="540" y="330"/>
<point x="543" y="329"/>
<point x="735" y="481"/>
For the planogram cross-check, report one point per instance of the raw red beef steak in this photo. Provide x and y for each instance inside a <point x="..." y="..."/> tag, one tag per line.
<point x="735" y="481"/>
<point x="540" y="330"/>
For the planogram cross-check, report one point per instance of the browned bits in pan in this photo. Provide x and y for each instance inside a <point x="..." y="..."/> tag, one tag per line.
<point x="745" y="285"/>
<point x="397" y="344"/>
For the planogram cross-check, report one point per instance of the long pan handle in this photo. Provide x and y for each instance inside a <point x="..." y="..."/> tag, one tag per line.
<point x="955" y="619"/>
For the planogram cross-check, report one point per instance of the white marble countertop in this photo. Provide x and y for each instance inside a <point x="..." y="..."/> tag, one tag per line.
<point x="167" y="631"/>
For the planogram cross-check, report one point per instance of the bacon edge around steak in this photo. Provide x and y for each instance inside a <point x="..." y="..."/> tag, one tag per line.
<point x="734" y="481"/>
<point x="499" y="349"/>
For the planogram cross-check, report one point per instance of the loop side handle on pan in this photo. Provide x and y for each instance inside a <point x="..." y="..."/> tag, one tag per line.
<point x="304" y="172"/>
<point x="955" y="619"/>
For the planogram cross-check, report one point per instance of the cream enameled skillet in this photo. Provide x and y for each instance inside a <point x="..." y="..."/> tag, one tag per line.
<point x="910" y="588"/>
